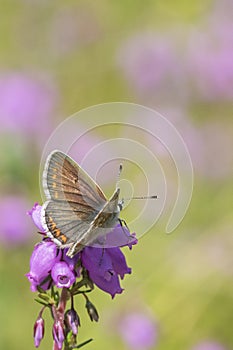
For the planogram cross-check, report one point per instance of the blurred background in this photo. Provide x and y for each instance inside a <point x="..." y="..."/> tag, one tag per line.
<point x="173" y="56"/>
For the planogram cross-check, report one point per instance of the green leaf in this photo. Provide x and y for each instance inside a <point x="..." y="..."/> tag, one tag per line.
<point x="44" y="297"/>
<point x="41" y="302"/>
<point x="84" y="343"/>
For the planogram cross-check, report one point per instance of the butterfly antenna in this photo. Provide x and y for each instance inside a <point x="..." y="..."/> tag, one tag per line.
<point x="118" y="175"/>
<point x="141" y="197"/>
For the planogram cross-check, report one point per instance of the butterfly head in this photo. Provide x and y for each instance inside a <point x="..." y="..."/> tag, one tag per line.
<point x="120" y="204"/>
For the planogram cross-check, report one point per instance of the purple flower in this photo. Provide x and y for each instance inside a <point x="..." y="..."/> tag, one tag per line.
<point x="71" y="262"/>
<point x="138" y="331"/>
<point x="38" y="332"/>
<point x="26" y="103"/>
<point x="35" y="214"/>
<point x="209" y="345"/>
<point x="104" y="266"/>
<point x="58" y="334"/>
<point x="210" y="61"/>
<point x="43" y="259"/>
<point x="118" y="237"/>
<point x="62" y="275"/>
<point x="148" y="62"/>
<point x="14" y="227"/>
<point x="118" y="262"/>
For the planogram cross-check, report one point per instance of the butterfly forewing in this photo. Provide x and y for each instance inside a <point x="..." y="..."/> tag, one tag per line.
<point x="74" y="199"/>
<point x="65" y="180"/>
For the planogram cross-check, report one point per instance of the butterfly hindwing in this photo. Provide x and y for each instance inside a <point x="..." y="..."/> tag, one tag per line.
<point x="103" y="222"/>
<point x="63" y="224"/>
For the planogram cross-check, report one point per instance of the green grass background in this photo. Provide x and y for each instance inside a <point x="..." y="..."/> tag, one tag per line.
<point x="188" y="294"/>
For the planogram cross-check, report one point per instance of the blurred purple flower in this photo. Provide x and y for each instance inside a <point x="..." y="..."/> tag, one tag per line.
<point x="14" y="227"/>
<point x="43" y="259"/>
<point x="209" y="345"/>
<point x="148" y="62"/>
<point x="62" y="275"/>
<point x="210" y="61"/>
<point x="26" y="103"/>
<point x="138" y="331"/>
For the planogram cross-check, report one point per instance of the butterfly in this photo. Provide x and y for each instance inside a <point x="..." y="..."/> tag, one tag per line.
<point x="76" y="212"/>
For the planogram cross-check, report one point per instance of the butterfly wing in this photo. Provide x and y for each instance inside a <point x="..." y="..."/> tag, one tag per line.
<point x="64" y="179"/>
<point x="102" y="223"/>
<point x="74" y="199"/>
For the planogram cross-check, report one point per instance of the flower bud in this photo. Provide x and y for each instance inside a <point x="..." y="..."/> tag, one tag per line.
<point x="38" y="331"/>
<point x="92" y="312"/>
<point x="58" y="334"/>
<point x="72" y="321"/>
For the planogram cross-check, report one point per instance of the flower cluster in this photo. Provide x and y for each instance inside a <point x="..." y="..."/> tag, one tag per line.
<point x="51" y="268"/>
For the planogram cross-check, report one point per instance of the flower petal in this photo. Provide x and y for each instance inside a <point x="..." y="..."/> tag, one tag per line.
<point x="43" y="258"/>
<point x="35" y="213"/>
<point x="100" y="268"/>
<point x="62" y="275"/>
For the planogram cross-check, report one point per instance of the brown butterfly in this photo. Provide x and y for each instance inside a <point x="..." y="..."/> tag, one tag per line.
<point x="76" y="212"/>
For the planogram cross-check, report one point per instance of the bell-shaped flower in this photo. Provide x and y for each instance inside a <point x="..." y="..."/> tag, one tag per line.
<point x="43" y="258"/>
<point x="62" y="275"/>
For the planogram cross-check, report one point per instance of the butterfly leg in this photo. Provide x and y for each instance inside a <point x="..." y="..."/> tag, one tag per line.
<point x="122" y="221"/>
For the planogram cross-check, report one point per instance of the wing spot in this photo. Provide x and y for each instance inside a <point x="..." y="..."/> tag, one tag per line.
<point x="53" y="226"/>
<point x="63" y="238"/>
<point x="54" y="184"/>
<point x="54" y="176"/>
<point x="57" y="233"/>
<point x="56" y="195"/>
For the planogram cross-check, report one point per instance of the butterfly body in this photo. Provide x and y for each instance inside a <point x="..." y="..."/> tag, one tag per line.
<point x="76" y="212"/>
